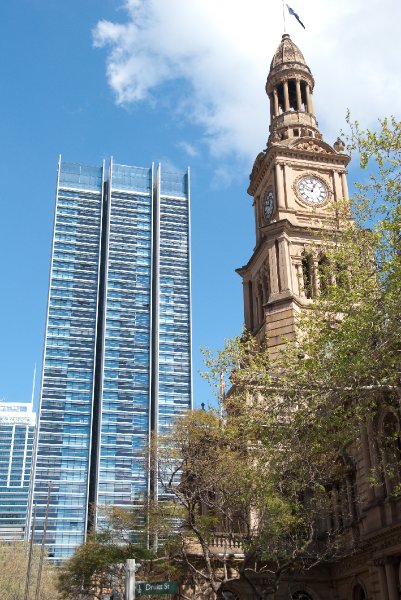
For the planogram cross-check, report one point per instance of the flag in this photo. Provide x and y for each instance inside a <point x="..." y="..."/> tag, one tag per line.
<point x="292" y="12"/>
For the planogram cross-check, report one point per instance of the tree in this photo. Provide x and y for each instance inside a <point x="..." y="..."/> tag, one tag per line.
<point x="270" y="471"/>
<point x="250" y="508"/>
<point x="97" y="567"/>
<point x="13" y="570"/>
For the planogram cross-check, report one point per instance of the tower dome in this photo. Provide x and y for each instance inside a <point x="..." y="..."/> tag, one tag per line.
<point x="289" y="87"/>
<point x="287" y="52"/>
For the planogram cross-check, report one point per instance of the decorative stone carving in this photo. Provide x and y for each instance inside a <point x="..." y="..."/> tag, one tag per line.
<point x="311" y="146"/>
<point x="339" y="145"/>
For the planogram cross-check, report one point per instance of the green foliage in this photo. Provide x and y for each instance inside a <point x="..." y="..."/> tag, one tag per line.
<point x="93" y="568"/>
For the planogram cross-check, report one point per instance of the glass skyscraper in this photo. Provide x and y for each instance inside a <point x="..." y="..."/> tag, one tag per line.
<point x="17" y="428"/>
<point x="117" y="357"/>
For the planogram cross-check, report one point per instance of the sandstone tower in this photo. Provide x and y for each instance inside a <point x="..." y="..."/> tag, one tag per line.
<point x="296" y="184"/>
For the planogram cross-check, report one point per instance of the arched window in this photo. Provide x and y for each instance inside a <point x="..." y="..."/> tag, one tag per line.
<point x="307" y="272"/>
<point x="304" y="97"/>
<point x="280" y="97"/>
<point x="359" y="593"/>
<point x="292" y="94"/>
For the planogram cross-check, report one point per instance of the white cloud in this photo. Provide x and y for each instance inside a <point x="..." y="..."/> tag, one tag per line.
<point x="222" y="51"/>
<point x="188" y="148"/>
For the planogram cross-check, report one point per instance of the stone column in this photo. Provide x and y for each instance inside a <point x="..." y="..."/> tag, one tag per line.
<point x="247" y="308"/>
<point x="391" y="580"/>
<point x="300" y="279"/>
<point x="286" y="96"/>
<point x="338" y="189"/>
<point x="344" y="186"/>
<point x="309" y="100"/>
<point x="382" y="582"/>
<point x="273" y="270"/>
<point x="275" y="102"/>
<point x="279" y="186"/>
<point x="298" y="90"/>
<point x="257" y="211"/>
<point x="271" y="106"/>
<point x="285" y="265"/>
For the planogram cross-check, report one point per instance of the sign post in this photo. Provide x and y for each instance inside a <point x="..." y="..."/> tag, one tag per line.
<point x="156" y="588"/>
<point x="130" y="579"/>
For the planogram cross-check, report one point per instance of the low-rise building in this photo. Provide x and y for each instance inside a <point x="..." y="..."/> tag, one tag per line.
<point x="17" y="429"/>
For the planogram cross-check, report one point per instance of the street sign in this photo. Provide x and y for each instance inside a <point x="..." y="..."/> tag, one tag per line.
<point x="153" y="588"/>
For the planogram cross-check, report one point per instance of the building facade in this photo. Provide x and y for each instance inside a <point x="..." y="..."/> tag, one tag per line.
<point x="17" y="430"/>
<point x="297" y="182"/>
<point x="117" y="357"/>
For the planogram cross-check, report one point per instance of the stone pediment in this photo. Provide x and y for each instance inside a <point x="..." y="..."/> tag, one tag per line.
<point x="312" y="145"/>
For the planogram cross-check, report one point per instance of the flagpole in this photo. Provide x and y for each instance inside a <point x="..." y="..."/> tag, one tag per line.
<point x="284" y="21"/>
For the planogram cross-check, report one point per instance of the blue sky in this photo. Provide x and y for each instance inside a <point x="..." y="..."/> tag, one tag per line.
<point x="175" y="81"/>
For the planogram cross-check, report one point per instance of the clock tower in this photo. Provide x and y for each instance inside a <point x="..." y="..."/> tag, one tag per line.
<point x="296" y="183"/>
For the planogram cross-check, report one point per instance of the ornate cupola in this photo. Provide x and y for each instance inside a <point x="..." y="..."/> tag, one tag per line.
<point x="289" y="87"/>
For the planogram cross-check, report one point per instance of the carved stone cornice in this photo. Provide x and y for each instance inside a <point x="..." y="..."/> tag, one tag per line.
<point x="312" y="151"/>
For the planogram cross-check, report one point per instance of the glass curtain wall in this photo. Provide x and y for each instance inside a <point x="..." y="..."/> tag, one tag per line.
<point x="174" y="393"/>
<point x="64" y="437"/>
<point x="123" y="473"/>
<point x="117" y="361"/>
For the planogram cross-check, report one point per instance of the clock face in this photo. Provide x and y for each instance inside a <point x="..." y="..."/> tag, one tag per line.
<point x="312" y="190"/>
<point x="268" y="205"/>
